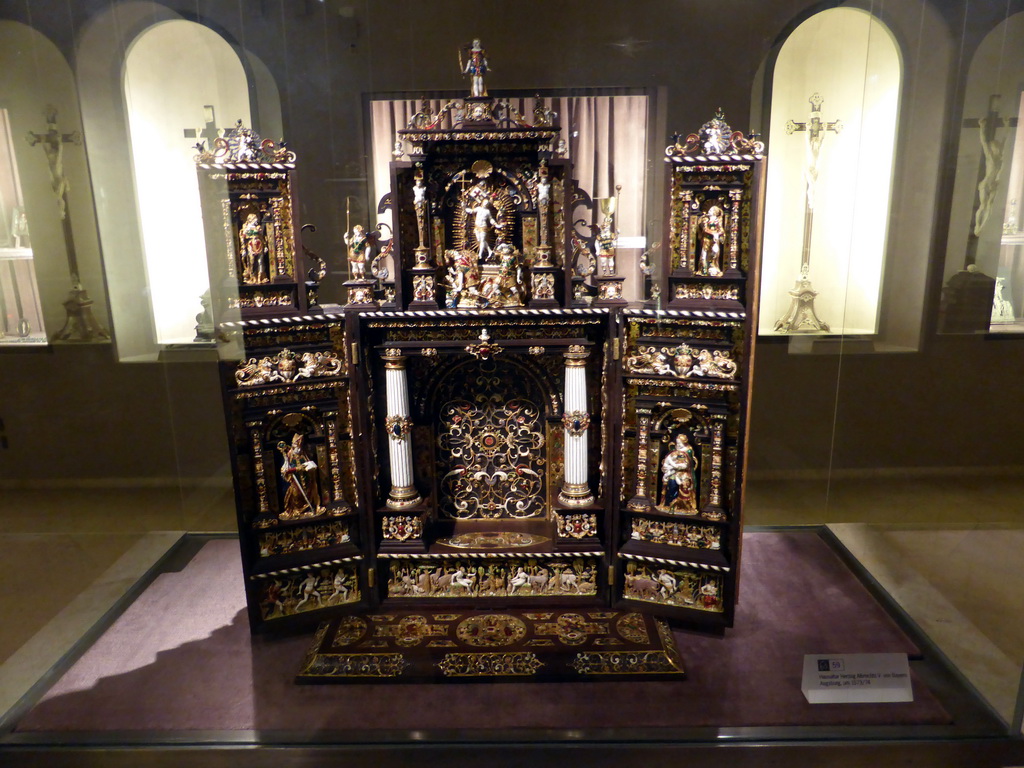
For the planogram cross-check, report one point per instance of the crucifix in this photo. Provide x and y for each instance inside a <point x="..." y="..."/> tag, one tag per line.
<point x="989" y="171"/>
<point x="801" y="316"/>
<point x="80" y="324"/>
<point x="209" y="131"/>
<point x="969" y="296"/>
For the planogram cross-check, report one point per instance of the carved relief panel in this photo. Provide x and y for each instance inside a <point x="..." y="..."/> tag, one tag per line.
<point x="296" y="488"/>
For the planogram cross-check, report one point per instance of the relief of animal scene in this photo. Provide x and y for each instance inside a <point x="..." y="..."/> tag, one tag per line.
<point x="672" y="586"/>
<point x="502" y="578"/>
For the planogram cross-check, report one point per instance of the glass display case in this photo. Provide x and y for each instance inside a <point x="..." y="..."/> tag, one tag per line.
<point x="536" y="379"/>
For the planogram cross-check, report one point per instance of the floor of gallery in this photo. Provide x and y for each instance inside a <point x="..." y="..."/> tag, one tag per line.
<point x="945" y="549"/>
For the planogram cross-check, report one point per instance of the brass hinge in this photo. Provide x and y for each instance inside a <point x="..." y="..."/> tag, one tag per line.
<point x="371" y="577"/>
<point x="355" y="353"/>
<point x="615" y="348"/>
<point x="611" y="575"/>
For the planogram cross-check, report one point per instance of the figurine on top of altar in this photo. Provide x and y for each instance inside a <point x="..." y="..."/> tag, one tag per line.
<point x="476" y="67"/>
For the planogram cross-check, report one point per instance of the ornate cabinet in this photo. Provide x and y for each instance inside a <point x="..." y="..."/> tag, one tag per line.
<point x="247" y="192"/>
<point x="685" y="387"/>
<point x="497" y="438"/>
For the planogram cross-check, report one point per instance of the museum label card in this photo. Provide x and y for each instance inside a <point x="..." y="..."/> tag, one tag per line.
<point x="856" y="678"/>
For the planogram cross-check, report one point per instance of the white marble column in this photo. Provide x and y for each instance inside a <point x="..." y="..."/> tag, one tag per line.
<point x="576" y="422"/>
<point x="398" y="425"/>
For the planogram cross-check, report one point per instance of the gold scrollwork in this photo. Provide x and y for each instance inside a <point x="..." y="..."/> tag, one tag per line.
<point x="490" y="664"/>
<point x="620" y="662"/>
<point x="356" y="665"/>
<point x="490" y="630"/>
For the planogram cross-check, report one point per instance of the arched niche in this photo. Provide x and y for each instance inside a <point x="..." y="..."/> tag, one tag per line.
<point x="174" y="101"/>
<point x="835" y="95"/>
<point x="146" y="76"/>
<point x="36" y="78"/>
<point x="985" y="245"/>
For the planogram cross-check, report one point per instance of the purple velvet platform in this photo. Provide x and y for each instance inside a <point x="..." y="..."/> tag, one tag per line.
<point x="180" y="658"/>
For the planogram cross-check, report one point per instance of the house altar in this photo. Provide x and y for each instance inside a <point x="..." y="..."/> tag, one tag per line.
<point x="497" y="427"/>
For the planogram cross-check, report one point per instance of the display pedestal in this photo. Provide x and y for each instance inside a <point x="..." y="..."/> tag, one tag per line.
<point x="81" y="324"/>
<point x="801" y="316"/>
<point x="490" y="646"/>
<point x="967" y="302"/>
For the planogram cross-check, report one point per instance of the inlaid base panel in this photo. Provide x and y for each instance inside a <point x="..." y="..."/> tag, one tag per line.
<point x="491" y="646"/>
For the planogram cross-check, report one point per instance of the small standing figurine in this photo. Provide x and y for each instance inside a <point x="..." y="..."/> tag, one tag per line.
<point x="476" y="67"/>
<point x="510" y="277"/>
<point x="419" y="202"/>
<point x="605" y="246"/>
<point x="302" y="498"/>
<point x="711" y="229"/>
<point x="482" y="222"/>
<point x="544" y="209"/>
<point x="358" y="244"/>
<point x="678" y="493"/>
<point x="254" y="250"/>
<point x="463" y="279"/>
<point x="543" y="186"/>
<point x="19" y="228"/>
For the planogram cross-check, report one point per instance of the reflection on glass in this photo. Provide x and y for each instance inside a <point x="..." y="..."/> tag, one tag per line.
<point x="983" y="281"/>
<point x="21" y="316"/>
<point x="1008" y="301"/>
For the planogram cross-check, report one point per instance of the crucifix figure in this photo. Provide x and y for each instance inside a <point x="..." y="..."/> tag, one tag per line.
<point x="969" y="296"/>
<point x="989" y="172"/>
<point x="801" y="316"/>
<point x="80" y="324"/>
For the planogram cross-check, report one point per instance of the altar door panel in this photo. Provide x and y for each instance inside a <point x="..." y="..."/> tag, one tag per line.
<point x="681" y="491"/>
<point x="289" y="410"/>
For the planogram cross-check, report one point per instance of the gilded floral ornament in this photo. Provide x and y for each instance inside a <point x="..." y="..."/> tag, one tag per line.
<point x="243" y="145"/>
<point x="715" y="137"/>
<point x="577" y="526"/>
<point x="402" y="527"/>
<point x="485" y="350"/>
<point x="398" y="427"/>
<point x="576" y="422"/>
<point x="287" y="366"/>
